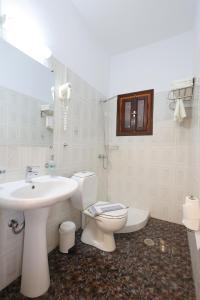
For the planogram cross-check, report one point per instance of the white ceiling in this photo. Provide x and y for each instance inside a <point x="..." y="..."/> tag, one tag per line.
<point x="122" y="25"/>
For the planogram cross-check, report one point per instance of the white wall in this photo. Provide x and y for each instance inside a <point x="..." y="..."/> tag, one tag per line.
<point x="66" y="34"/>
<point x="154" y="66"/>
<point x="165" y="160"/>
<point x="197" y="42"/>
<point x="152" y="172"/>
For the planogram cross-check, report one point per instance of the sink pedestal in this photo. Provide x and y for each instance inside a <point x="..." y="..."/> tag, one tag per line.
<point x="35" y="268"/>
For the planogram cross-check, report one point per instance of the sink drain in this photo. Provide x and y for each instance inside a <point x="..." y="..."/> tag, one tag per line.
<point x="149" y="242"/>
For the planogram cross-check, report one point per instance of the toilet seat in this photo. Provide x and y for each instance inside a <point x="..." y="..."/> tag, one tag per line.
<point x="116" y="214"/>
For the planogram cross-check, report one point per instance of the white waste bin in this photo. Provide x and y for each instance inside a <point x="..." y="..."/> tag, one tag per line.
<point x="67" y="236"/>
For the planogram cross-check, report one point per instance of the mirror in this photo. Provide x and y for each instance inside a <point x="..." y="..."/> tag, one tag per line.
<point x="25" y="90"/>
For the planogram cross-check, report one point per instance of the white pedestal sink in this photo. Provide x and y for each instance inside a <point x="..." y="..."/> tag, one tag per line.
<point x="34" y="199"/>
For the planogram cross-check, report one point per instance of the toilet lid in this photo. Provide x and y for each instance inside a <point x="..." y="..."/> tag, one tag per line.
<point x="116" y="214"/>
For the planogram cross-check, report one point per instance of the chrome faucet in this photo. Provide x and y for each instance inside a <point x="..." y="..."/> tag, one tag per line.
<point x="31" y="172"/>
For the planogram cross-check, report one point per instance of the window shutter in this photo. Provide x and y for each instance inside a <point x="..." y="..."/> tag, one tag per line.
<point x="135" y="113"/>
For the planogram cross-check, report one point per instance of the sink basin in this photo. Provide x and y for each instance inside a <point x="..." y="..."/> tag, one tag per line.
<point x="43" y="191"/>
<point x="34" y="199"/>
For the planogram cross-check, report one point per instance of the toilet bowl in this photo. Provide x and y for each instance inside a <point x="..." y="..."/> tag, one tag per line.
<point x="98" y="231"/>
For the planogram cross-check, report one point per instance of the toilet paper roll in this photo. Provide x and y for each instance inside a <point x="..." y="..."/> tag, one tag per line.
<point x="192" y="200"/>
<point x="191" y="211"/>
<point x="192" y="224"/>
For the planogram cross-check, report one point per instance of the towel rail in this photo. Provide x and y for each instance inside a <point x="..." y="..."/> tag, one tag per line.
<point x="186" y="94"/>
<point x="187" y="104"/>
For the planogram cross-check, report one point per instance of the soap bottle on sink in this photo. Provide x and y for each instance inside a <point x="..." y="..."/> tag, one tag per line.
<point x="52" y="166"/>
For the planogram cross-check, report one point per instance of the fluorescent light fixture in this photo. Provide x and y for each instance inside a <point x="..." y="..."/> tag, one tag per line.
<point x="24" y="34"/>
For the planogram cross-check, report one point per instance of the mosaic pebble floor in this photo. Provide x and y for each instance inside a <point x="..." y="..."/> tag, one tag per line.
<point x="135" y="271"/>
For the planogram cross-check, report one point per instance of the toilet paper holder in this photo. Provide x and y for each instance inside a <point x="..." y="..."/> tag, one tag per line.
<point x="191" y="197"/>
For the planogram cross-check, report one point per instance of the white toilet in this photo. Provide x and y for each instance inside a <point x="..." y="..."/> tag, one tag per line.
<point x="97" y="231"/>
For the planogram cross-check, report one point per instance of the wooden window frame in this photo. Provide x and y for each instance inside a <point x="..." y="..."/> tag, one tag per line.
<point x="148" y="96"/>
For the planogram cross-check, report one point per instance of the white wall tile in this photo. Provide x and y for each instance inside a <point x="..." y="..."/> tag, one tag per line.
<point x="150" y="171"/>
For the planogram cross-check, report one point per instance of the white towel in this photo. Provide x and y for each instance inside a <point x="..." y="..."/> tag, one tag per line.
<point x="179" y="113"/>
<point x="98" y="209"/>
<point x="180" y="84"/>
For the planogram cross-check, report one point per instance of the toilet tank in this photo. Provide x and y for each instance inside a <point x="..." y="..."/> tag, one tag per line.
<point x="86" y="193"/>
